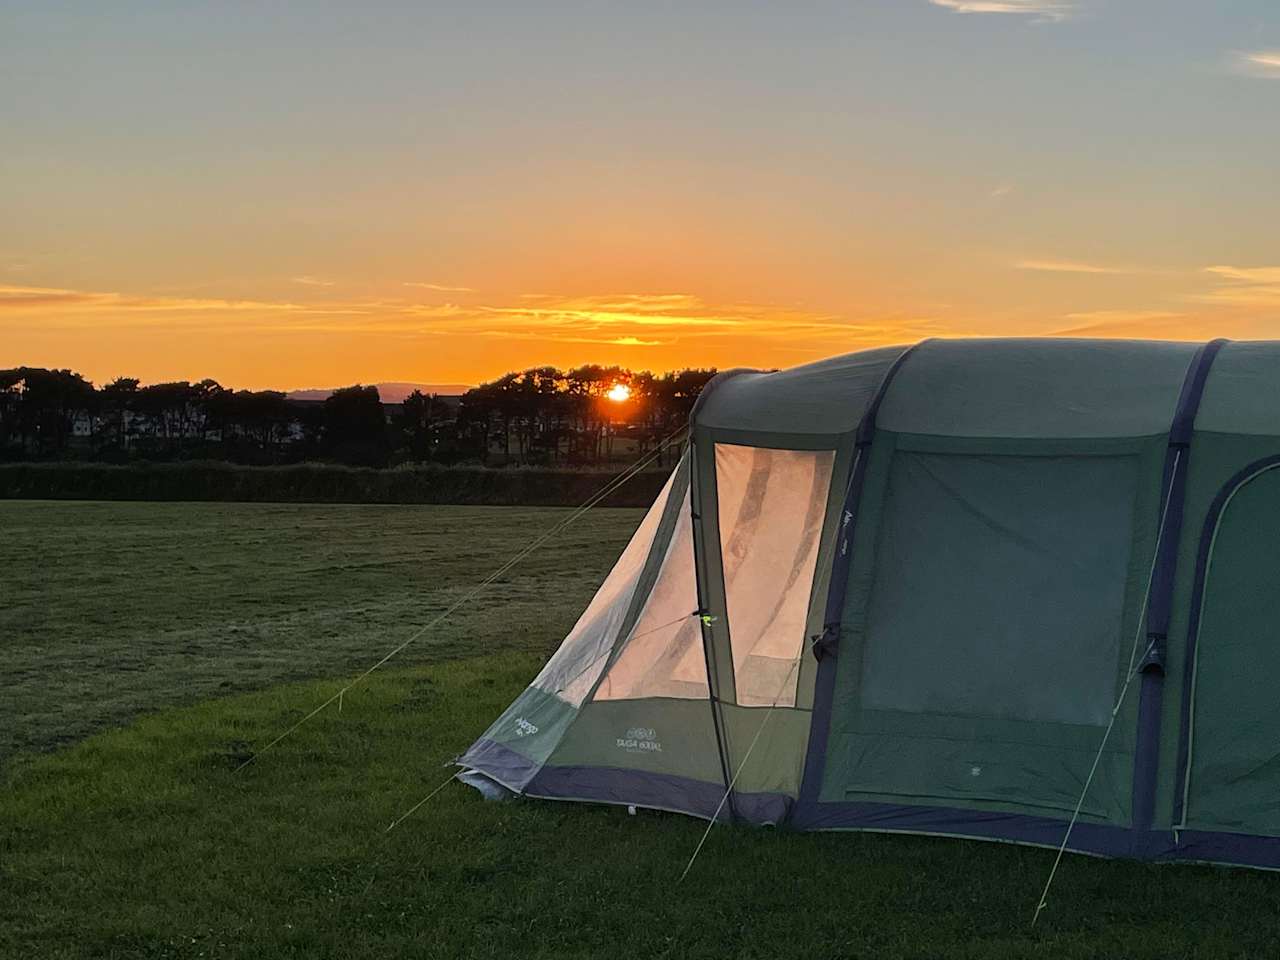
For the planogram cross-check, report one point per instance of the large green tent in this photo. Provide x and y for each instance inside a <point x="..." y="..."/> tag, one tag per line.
<point x="962" y="588"/>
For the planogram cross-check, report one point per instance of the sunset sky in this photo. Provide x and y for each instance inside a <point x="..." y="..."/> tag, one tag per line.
<point x="311" y="194"/>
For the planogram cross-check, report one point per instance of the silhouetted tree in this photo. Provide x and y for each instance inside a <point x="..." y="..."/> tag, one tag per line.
<point x="538" y="415"/>
<point x="422" y="421"/>
<point x="117" y="405"/>
<point x="259" y="418"/>
<point x="42" y="407"/>
<point x="355" y="427"/>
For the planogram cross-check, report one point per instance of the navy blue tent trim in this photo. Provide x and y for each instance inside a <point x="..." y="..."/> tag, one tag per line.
<point x="621" y="786"/>
<point x="1160" y="598"/>
<point x="1211" y="520"/>
<point x="1092" y="838"/>
<point x="701" y="798"/>
<point x="825" y="649"/>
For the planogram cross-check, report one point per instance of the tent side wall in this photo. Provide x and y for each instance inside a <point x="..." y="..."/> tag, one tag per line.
<point x="1005" y="538"/>
<point x="944" y="739"/>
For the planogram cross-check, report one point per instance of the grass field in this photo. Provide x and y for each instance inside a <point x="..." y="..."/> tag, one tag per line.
<point x="141" y="626"/>
<point x="111" y="609"/>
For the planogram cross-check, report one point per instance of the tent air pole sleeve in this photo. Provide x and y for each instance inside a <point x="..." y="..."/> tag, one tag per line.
<point x="826" y="645"/>
<point x="1160" y="596"/>
<point x="705" y="618"/>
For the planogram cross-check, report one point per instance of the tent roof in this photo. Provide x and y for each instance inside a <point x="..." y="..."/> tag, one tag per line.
<point x="827" y="397"/>
<point x="1242" y="394"/>
<point x="1023" y="388"/>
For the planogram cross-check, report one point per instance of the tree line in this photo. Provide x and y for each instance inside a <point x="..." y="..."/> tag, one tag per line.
<point x="538" y="416"/>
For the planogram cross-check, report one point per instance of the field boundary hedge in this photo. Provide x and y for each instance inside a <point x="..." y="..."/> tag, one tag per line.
<point x="322" y="483"/>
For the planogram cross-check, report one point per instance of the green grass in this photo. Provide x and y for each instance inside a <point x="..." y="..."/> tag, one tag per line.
<point x="144" y="841"/>
<point x="108" y="610"/>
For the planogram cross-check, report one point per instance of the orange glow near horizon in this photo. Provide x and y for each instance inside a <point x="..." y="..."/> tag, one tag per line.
<point x="619" y="393"/>
<point x="326" y="336"/>
<point x="340" y="209"/>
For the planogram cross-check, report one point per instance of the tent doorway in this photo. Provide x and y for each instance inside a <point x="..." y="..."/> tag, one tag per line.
<point x="1233" y="779"/>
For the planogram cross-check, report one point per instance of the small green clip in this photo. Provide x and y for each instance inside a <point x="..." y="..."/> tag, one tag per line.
<point x="708" y="619"/>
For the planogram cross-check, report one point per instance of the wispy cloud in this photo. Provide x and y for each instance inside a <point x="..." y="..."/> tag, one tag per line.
<point x="650" y="320"/>
<point x="1001" y="190"/>
<point x="1074" y="266"/>
<point x="1259" y="63"/>
<point x="608" y="341"/>
<point x="1052" y="10"/>
<point x="309" y="281"/>
<point x="53" y="298"/>
<point x="1160" y="324"/>
<point x="439" y="287"/>
<point x="626" y="320"/>
<point x="94" y="311"/>
<point x="1244" y="286"/>
<point x="1268" y="275"/>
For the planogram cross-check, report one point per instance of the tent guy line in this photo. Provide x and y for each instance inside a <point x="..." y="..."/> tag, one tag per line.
<point x="450" y="763"/>
<point x="1135" y="663"/>
<point x="578" y="512"/>
<point x="745" y="757"/>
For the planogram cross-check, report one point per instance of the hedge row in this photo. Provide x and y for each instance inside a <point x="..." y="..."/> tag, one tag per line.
<point x="321" y="483"/>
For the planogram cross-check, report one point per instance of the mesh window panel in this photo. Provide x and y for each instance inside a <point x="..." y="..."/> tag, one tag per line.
<point x="772" y="504"/>
<point x="663" y="654"/>
<point x="573" y="669"/>
<point x="999" y="587"/>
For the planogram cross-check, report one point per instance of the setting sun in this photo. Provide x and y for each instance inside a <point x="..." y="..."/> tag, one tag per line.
<point x="619" y="393"/>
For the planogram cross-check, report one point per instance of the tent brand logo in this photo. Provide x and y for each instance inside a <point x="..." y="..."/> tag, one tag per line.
<point x="640" y="740"/>
<point x="524" y="728"/>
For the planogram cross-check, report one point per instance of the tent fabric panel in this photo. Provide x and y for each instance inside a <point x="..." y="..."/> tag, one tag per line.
<point x="662" y="655"/>
<point x="659" y="735"/>
<point x="656" y="791"/>
<point x="993" y="573"/>
<point x="827" y="397"/>
<point x="1014" y="767"/>
<point x="840" y="451"/>
<point x="772" y="506"/>
<point x="766" y="747"/>
<point x="1021" y="388"/>
<point x="1242" y="394"/>
<point x="536" y="720"/>
<point x="1233" y="761"/>
<point x="530" y="729"/>
<point x="500" y="763"/>
<point x="834" y="708"/>
<point x="572" y="671"/>
<point x="1105" y="486"/>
